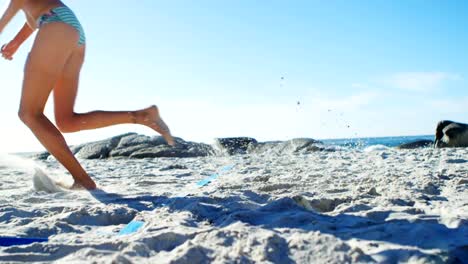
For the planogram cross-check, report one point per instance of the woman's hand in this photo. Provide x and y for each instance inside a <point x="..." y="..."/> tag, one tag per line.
<point x="8" y="50"/>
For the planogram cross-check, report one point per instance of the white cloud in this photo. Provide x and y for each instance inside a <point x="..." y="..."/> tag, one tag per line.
<point x="421" y="81"/>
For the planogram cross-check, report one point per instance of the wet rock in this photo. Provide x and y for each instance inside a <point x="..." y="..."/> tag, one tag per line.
<point x="424" y="143"/>
<point x="236" y="145"/>
<point x="451" y="134"/>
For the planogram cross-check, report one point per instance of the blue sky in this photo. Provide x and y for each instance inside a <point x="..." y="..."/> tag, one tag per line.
<point x="240" y="68"/>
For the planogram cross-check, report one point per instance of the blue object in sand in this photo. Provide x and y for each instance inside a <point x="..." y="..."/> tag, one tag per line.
<point x="214" y="176"/>
<point x="227" y="168"/>
<point x="207" y="180"/>
<point x="16" y="241"/>
<point x="131" y="227"/>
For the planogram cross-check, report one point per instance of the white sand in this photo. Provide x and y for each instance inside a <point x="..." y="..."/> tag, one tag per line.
<point x="382" y="205"/>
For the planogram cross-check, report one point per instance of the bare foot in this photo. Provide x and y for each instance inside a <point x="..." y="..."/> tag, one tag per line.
<point x="150" y="117"/>
<point x="76" y="186"/>
<point x="80" y="186"/>
<point x="86" y="183"/>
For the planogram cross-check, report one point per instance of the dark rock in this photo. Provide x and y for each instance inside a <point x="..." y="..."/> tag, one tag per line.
<point x="423" y="143"/>
<point x="233" y="146"/>
<point x="45" y="155"/>
<point x="99" y="149"/>
<point x="195" y="149"/>
<point x="42" y="155"/>
<point x="96" y="150"/>
<point x="186" y="150"/>
<point x="75" y="149"/>
<point x="451" y="134"/>
<point x="134" y="143"/>
<point x="139" y="146"/>
<point x="127" y="151"/>
<point x="155" y="152"/>
<point x="135" y="140"/>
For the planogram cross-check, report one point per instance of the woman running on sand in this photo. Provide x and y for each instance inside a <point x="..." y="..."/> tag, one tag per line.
<point x="54" y="63"/>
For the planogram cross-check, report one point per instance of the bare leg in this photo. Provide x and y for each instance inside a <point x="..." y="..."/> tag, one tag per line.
<point x="52" y="47"/>
<point x="68" y="121"/>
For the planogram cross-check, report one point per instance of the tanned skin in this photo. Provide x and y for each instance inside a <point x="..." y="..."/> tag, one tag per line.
<point x="54" y="65"/>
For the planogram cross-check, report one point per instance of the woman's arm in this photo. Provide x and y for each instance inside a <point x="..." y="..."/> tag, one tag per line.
<point x="10" y="12"/>
<point x="23" y="34"/>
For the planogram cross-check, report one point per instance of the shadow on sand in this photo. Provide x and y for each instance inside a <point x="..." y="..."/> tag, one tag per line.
<point x="259" y="210"/>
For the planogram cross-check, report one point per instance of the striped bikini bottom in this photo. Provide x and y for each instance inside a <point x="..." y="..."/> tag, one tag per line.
<point x="63" y="14"/>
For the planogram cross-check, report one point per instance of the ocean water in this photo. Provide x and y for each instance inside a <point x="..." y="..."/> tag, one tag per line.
<point x="361" y="143"/>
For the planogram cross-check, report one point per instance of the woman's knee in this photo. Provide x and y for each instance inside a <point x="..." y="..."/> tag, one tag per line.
<point x="29" y="117"/>
<point x="66" y="124"/>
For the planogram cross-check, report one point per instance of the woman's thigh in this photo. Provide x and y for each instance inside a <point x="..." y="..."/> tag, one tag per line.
<point x="52" y="47"/>
<point x="66" y="87"/>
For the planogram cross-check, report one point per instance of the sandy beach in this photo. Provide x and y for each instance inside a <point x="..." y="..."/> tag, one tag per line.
<point x="234" y="132"/>
<point x="378" y="205"/>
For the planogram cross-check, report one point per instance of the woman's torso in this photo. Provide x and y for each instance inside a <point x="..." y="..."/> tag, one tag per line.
<point x="35" y="8"/>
